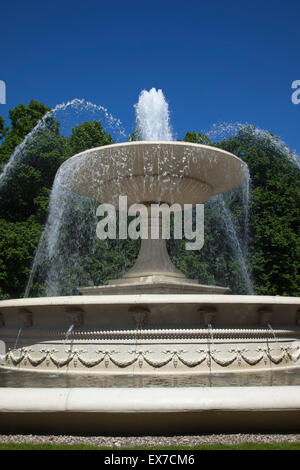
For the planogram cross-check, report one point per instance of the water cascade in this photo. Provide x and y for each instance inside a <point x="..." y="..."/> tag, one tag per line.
<point x="226" y="216"/>
<point x="152" y="123"/>
<point x="17" y="339"/>
<point x="226" y="130"/>
<point x="77" y="106"/>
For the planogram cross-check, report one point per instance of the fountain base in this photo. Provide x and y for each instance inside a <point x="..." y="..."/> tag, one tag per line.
<point x="153" y="284"/>
<point x="151" y="334"/>
<point x="152" y="411"/>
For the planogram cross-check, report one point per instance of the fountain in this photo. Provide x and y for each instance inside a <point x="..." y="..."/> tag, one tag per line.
<point x="132" y="338"/>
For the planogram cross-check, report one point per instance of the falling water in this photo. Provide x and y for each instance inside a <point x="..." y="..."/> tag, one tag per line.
<point x="69" y="234"/>
<point x="226" y="130"/>
<point x="47" y="246"/>
<point x="211" y="333"/>
<point x="61" y="201"/>
<point x="268" y="141"/>
<point x="153" y="123"/>
<point x="17" y="339"/>
<point x="76" y="105"/>
<point x="235" y="242"/>
<point x="246" y="200"/>
<point x="58" y="255"/>
<point x="59" y="252"/>
<point x="273" y="332"/>
<point x="2" y="353"/>
<point x="152" y="116"/>
<point x="70" y="329"/>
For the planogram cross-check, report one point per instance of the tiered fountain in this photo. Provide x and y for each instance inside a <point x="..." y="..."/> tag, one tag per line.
<point x="222" y="361"/>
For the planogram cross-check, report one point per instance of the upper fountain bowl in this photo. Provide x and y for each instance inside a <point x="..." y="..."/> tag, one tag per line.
<point x="153" y="171"/>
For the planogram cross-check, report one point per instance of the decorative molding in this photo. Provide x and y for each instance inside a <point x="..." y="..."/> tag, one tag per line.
<point x="223" y="358"/>
<point x="157" y="334"/>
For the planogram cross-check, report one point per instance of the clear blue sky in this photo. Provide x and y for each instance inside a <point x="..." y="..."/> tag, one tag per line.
<point x="215" y="60"/>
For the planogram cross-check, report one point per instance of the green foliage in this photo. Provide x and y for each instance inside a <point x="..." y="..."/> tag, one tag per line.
<point x="3" y="130"/>
<point x="23" y="120"/>
<point x="197" y="138"/>
<point x="33" y="172"/>
<point x="18" y="241"/>
<point x="274" y="214"/>
<point x="25" y="191"/>
<point x="216" y="263"/>
<point x="133" y="137"/>
<point x="87" y="136"/>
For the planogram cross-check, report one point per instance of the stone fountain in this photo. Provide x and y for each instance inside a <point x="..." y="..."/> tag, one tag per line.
<point x="153" y="322"/>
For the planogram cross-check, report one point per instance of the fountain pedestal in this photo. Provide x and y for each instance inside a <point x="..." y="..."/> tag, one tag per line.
<point x="153" y="272"/>
<point x="172" y="172"/>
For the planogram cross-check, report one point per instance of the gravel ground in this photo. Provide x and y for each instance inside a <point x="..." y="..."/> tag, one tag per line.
<point x="119" y="442"/>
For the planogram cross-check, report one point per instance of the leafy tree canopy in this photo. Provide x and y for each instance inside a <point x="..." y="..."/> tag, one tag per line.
<point x="197" y="138"/>
<point x="25" y="191"/>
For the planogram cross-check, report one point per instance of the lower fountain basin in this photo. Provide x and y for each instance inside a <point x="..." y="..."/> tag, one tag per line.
<point x="150" y="411"/>
<point x="150" y="334"/>
<point x="192" y="356"/>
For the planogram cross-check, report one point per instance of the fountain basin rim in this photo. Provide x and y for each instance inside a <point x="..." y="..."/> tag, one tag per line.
<point x="157" y="143"/>
<point x="149" y="400"/>
<point x="196" y="172"/>
<point x="151" y="299"/>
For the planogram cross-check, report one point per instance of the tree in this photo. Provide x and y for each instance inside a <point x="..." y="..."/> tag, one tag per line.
<point x="88" y="135"/>
<point x="23" y="120"/>
<point x="196" y="138"/>
<point x="18" y="241"/>
<point x="3" y="130"/>
<point x="274" y="212"/>
<point x="32" y="172"/>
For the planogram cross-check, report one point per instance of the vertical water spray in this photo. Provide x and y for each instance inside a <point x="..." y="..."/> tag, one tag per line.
<point x="153" y="116"/>
<point x="153" y="123"/>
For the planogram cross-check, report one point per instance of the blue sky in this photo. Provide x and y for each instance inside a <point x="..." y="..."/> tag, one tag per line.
<point x="215" y="61"/>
